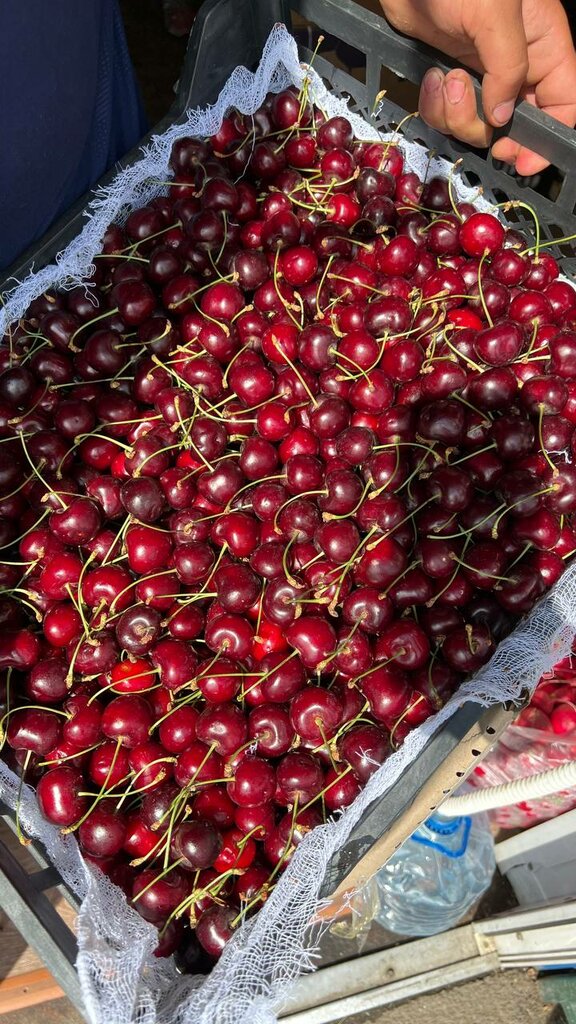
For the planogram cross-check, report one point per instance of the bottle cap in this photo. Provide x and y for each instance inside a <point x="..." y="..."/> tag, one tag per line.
<point x="444" y="826"/>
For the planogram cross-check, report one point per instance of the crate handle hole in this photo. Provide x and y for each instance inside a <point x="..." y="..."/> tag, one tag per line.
<point x="476" y="753"/>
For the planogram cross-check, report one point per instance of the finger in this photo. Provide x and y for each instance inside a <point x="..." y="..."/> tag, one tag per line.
<point x="506" y="150"/>
<point x="431" y="100"/>
<point x="502" y="49"/>
<point x="528" y="163"/>
<point x="448" y="104"/>
<point x="461" y="112"/>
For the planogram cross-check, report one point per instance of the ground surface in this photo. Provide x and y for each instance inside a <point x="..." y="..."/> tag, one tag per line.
<point x="508" y="998"/>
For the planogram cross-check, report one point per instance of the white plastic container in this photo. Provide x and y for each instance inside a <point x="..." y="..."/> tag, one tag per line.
<point x="540" y="863"/>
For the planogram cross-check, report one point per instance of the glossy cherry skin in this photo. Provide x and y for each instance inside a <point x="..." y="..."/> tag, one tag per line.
<point x="299" y="777"/>
<point x="269" y="726"/>
<point x="178" y="730"/>
<point x="46" y="682"/>
<point x="341" y="788"/>
<point x="468" y="649"/>
<point x="127" y="718"/>
<point x="386" y="688"/>
<point x="197" y="764"/>
<point x="215" y="929"/>
<point x="159" y="896"/>
<point x="364" y="747"/>
<point x="314" y="639"/>
<point x="500" y="344"/>
<point x="33" y="729"/>
<point x="315" y="713"/>
<point x="481" y="233"/>
<point x="254" y="782"/>
<point x="224" y="726"/>
<point x="369" y="607"/>
<point x="102" y="833"/>
<point x="58" y="793"/>
<point x="196" y="844"/>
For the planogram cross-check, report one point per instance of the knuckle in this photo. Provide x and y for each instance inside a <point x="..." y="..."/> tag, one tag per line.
<point x="521" y="67"/>
<point x="398" y="13"/>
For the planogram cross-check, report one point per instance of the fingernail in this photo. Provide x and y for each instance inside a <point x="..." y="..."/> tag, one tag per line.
<point x="503" y="112"/>
<point x="455" y="89"/>
<point x="432" y="81"/>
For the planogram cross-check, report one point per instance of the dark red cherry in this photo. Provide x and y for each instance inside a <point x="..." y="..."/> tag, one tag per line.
<point x="196" y="844"/>
<point x="365" y="747"/>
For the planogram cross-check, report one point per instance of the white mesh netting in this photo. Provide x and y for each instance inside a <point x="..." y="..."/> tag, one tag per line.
<point x="121" y="981"/>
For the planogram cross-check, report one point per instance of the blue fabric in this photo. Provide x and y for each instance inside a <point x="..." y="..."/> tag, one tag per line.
<point x="69" y="108"/>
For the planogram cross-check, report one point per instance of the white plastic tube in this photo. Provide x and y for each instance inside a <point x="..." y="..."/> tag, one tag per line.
<point x="555" y="780"/>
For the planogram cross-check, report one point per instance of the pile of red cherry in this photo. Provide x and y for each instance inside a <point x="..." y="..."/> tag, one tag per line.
<point x="542" y="738"/>
<point x="553" y="705"/>
<point x="272" y="483"/>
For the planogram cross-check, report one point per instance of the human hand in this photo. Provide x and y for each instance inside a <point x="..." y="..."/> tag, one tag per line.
<point x="522" y="48"/>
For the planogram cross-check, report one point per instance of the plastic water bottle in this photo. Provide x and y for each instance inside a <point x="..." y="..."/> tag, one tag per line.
<point x="436" y="876"/>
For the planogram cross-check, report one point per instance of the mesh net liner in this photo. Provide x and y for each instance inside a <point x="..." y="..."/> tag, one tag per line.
<point x="122" y="982"/>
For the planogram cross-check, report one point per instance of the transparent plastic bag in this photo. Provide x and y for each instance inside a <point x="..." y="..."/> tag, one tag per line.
<point x="522" y="752"/>
<point x="363" y="907"/>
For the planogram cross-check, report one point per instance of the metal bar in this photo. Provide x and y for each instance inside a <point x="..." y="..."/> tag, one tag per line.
<point x="398" y="992"/>
<point x="46" y="878"/>
<point x="47" y="873"/>
<point x="535" y="917"/>
<point x="35" y="849"/>
<point x="399" y="972"/>
<point x="382" y="968"/>
<point x="534" y="942"/>
<point x="555" y="958"/>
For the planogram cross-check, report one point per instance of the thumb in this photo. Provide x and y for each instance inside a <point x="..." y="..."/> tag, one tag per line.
<point x="503" y="52"/>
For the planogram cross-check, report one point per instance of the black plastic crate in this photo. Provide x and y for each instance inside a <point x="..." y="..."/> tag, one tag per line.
<point x="228" y="33"/>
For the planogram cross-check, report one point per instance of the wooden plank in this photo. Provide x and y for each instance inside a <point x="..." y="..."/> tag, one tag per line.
<point x="28" y="989"/>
